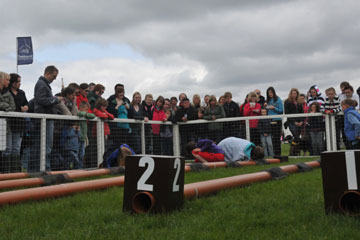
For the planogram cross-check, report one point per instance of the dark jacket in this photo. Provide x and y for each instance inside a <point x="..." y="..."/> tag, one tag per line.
<point x="133" y="114"/>
<point x="44" y="101"/>
<point x="291" y="108"/>
<point x="231" y="109"/>
<point x="190" y="112"/>
<point x="92" y="97"/>
<point x="264" y="126"/>
<point x="18" y="124"/>
<point x="147" y="110"/>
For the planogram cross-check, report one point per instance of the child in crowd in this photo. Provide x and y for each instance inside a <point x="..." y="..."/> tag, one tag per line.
<point x="332" y="106"/>
<point x="158" y="115"/>
<point x="166" y="134"/>
<point x="100" y="111"/>
<point x="83" y="139"/>
<point x="252" y="108"/>
<point x="351" y="123"/>
<point x="237" y="149"/>
<point x="315" y="128"/>
<point x="264" y="128"/>
<point x="205" y="151"/>
<point x="70" y="138"/>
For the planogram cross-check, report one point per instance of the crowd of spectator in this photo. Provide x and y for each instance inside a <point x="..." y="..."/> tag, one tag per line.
<point x="72" y="144"/>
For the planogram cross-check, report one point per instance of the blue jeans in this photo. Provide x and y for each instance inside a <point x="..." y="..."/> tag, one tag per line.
<point x="71" y="156"/>
<point x="266" y="142"/>
<point x="49" y="141"/>
<point x="13" y="143"/>
<point x="81" y="153"/>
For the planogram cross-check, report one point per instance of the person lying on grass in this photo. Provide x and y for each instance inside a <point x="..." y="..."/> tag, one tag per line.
<point x="205" y="151"/>
<point x="117" y="157"/>
<point x="237" y="149"/>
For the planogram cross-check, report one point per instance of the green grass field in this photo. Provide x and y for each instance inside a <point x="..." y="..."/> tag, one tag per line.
<point x="291" y="208"/>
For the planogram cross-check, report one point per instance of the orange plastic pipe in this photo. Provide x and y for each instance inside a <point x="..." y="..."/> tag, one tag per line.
<point x="224" y="164"/>
<point x="19" y="175"/>
<point x="206" y="187"/>
<point x="39" y="181"/>
<point x="58" y="190"/>
<point x="190" y="190"/>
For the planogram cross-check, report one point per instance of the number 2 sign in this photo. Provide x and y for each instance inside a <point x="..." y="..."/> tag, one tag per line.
<point x="153" y="183"/>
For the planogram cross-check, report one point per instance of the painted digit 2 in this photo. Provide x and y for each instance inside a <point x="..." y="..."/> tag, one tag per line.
<point x="143" y="186"/>
<point x="177" y="165"/>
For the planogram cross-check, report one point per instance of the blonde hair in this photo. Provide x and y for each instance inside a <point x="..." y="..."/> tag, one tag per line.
<point x="251" y="95"/>
<point x="330" y="89"/>
<point x="122" y="156"/>
<point x="4" y="75"/>
<point x="298" y="94"/>
<point x="213" y="98"/>
<point x="198" y="97"/>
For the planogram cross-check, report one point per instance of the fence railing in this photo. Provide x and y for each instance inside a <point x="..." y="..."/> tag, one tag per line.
<point x="168" y="139"/>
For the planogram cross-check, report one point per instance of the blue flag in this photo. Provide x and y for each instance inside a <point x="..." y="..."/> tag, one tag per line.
<point x="24" y="51"/>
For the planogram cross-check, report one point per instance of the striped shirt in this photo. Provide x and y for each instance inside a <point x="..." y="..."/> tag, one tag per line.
<point x="332" y="105"/>
<point x="319" y="99"/>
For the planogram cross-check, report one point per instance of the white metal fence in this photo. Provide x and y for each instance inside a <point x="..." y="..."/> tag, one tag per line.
<point x="141" y="133"/>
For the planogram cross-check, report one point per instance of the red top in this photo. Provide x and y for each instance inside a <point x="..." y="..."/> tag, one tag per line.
<point x="80" y="99"/>
<point x="103" y="115"/>
<point x="158" y="115"/>
<point x="251" y="111"/>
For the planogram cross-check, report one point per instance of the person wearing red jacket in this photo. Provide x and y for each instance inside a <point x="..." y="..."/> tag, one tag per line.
<point x="100" y="111"/>
<point x="252" y="108"/>
<point x="158" y="115"/>
<point x="82" y="96"/>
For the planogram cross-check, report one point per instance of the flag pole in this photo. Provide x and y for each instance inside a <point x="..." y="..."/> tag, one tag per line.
<point x="17" y="56"/>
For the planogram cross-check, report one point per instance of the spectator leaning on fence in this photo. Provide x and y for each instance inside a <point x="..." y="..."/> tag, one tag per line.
<point x="315" y="127"/>
<point x="212" y="112"/>
<point x="292" y="106"/>
<point x="274" y="106"/>
<point x="232" y="110"/>
<point x="342" y="95"/>
<point x="83" y="92"/>
<point x="264" y="128"/>
<point x="315" y="96"/>
<point x="45" y="102"/>
<point x="83" y="139"/>
<point x="252" y="108"/>
<point x="6" y="104"/>
<point x="349" y="93"/>
<point x="94" y="95"/>
<point x="351" y="123"/>
<point x="136" y="112"/>
<point x="17" y="125"/>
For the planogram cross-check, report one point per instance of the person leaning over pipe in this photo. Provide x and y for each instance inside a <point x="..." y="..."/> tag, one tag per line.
<point x="237" y="149"/>
<point x="205" y="151"/>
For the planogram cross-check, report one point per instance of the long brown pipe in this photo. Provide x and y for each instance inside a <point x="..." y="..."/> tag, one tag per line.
<point x="39" y="181"/>
<point x="73" y="174"/>
<point x="206" y="187"/>
<point x="143" y="202"/>
<point x="19" y="175"/>
<point x="58" y="190"/>
<point x="224" y="164"/>
<point x="190" y="190"/>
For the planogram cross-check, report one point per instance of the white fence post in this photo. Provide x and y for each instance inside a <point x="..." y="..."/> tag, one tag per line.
<point x="100" y="141"/>
<point x="43" y="145"/>
<point x="176" y="140"/>
<point x="247" y="129"/>
<point x="143" y="143"/>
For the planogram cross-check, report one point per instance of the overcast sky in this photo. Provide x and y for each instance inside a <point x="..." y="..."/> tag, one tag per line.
<point x="169" y="47"/>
